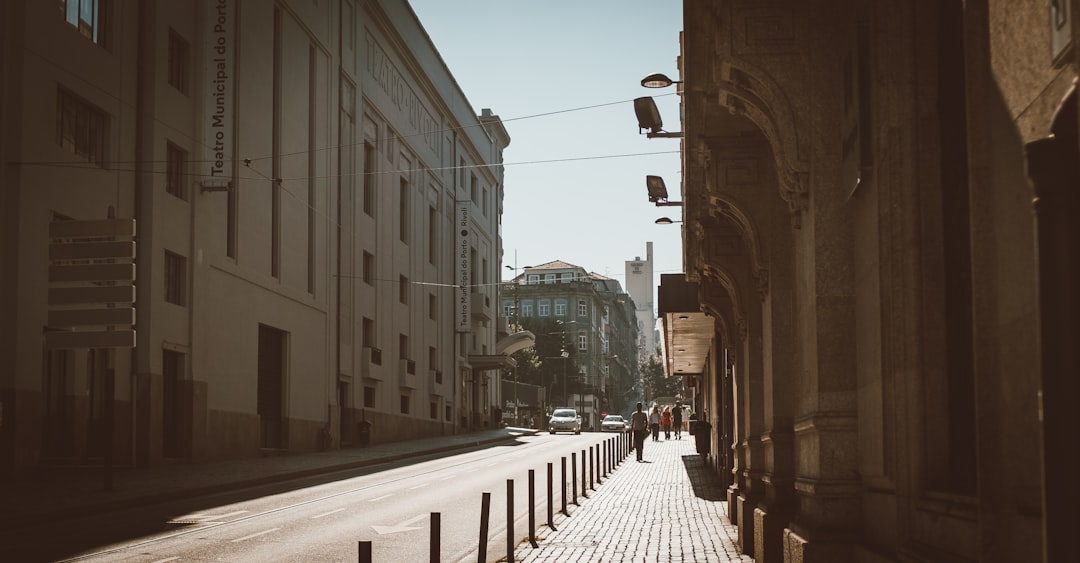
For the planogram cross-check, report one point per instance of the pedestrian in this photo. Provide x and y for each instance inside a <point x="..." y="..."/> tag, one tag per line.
<point x="654" y="423"/>
<point x="665" y="422"/>
<point x="676" y="420"/>
<point x="639" y="425"/>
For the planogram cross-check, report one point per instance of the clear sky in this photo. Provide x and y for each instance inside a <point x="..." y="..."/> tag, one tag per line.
<point x="575" y="179"/>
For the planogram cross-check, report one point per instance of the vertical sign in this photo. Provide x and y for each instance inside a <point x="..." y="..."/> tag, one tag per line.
<point x="462" y="266"/>
<point x="218" y="52"/>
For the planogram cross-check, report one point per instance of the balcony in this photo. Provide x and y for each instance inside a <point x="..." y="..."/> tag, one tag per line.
<point x="371" y="362"/>
<point x="480" y="304"/>
<point x="407" y="374"/>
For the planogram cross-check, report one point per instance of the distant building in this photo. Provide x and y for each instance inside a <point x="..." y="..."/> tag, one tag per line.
<point x="641" y="285"/>
<point x="597" y="320"/>
<point x="316" y="210"/>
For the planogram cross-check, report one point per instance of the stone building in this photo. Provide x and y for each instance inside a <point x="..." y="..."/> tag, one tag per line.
<point x="596" y="321"/>
<point x="880" y="247"/>
<point x="316" y="212"/>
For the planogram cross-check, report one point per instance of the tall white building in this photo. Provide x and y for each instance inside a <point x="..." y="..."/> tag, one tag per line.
<point x="316" y="213"/>
<point x="642" y="288"/>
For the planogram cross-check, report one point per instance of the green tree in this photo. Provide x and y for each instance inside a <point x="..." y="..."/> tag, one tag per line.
<point x="656" y="384"/>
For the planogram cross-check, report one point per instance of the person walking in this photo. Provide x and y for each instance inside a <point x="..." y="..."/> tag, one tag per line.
<point x="639" y="425"/>
<point x="665" y="422"/>
<point x="676" y="420"/>
<point x="654" y="423"/>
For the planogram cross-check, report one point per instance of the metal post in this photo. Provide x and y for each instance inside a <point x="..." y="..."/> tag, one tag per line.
<point x="583" y="493"/>
<point x="573" y="474"/>
<point x="485" y="507"/>
<point x="592" y="469"/>
<point x="365" y="552"/>
<point x="550" y="498"/>
<point x="532" y="507"/>
<point x="436" y="537"/>
<point x="562" y="485"/>
<point x="510" y="521"/>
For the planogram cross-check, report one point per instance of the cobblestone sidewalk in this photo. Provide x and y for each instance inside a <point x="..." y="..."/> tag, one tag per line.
<point x="669" y="508"/>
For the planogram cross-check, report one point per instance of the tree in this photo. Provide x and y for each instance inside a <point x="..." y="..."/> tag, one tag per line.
<point x="656" y="384"/>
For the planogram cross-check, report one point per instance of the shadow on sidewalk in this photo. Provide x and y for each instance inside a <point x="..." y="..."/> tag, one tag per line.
<point x="705" y="481"/>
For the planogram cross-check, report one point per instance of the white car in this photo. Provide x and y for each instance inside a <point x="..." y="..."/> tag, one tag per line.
<point x="613" y="423"/>
<point x="564" y="420"/>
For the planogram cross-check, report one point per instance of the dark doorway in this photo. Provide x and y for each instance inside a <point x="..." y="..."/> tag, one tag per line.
<point x="172" y="370"/>
<point x="58" y="404"/>
<point x="271" y="386"/>
<point x="345" y="418"/>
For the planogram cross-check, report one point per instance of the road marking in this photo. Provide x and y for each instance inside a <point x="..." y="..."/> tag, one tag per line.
<point x="237" y="513"/>
<point x="492" y="464"/>
<point x="421" y="486"/>
<point x="255" y="535"/>
<point x="327" y="513"/>
<point x="402" y="527"/>
<point x="380" y="498"/>
<point x="448" y="477"/>
<point x="168" y="559"/>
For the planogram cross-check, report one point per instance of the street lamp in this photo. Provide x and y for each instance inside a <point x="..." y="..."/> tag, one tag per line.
<point x="658" y="80"/>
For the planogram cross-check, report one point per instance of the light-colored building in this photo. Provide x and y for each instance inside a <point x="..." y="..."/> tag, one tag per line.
<point x="879" y="303"/>
<point x="316" y="209"/>
<point x="641" y="285"/>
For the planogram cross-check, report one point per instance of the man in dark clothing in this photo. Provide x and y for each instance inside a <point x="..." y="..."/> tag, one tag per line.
<point x="676" y="420"/>
<point x="639" y="425"/>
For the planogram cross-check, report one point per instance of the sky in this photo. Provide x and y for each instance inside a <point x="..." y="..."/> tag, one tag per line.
<point x="562" y="75"/>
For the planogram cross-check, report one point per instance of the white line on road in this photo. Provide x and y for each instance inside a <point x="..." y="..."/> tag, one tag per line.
<point x="327" y="513"/>
<point x="448" y="477"/>
<point x="166" y="559"/>
<point x="380" y="498"/>
<point x="421" y="486"/>
<point x="237" y="513"/>
<point x="255" y="535"/>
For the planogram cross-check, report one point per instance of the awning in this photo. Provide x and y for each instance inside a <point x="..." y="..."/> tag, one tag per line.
<point x="514" y="342"/>
<point x="498" y="361"/>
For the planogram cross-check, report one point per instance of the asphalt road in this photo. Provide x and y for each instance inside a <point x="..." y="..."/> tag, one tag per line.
<point x="324" y="518"/>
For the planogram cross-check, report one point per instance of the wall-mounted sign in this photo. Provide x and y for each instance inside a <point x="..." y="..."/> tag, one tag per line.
<point x="217" y="128"/>
<point x="462" y="266"/>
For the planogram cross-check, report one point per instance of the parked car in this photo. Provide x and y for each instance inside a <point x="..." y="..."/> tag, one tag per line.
<point x="564" y="420"/>
<point x="614" y="423"/>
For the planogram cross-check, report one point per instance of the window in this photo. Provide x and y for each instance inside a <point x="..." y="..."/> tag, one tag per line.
<point x="178" y="62"/>
<point x="403" y="290"/>
<point x="560" y="307"/>
<point x="403" y="346"/>
<point x="533" y="279"/>
<point x="582" y="341"/>
<point x="433" y="361"/>
<point x="369" y="179"/>
<point x="508" y="309"/>
<point x="566" y="277"/>
<point x="447" y="412"/>
<point x="433" y="239"/>
<point x="434" y="409"/>
<point x="432" y="307"/>
<point x="175" y="162"/>
<point x="367" y="333"/>
<point x="543" y="308"/>
<point x="403" y="211"/>
<point x="369" y="397"/>
<point x="484" y="202"/>
<point x="582" y="308"/>
<point x="175" y="275"/>
<point x="526" y="308"/>
<point x="369" y="268"/>
<point x="87" y="17"/>
<point x="549" y="278"/>
<point x="80" y="127"/>
<point x="404" y="404"/>
<point x="474" y="189"/>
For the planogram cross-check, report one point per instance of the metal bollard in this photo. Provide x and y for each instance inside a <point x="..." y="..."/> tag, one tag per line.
<point x="562" y="485"/>
<point x="551" y="498"/>
<point x="583" y="493"/>
<point x="365" y="552"/>
<point x="573" y="475"/>
<point x="532" y="508"/>
<point x="510" y="521"/>
<point x="592" y="470"/>
<point x="485" y="508"/>
<point x="436" y="537"/>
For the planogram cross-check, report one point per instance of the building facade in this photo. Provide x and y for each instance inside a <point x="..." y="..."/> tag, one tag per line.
<point x="880" y="250"/>
<point x="316" y="213"/>
<point x="641" y="285"/>
<point x="597" y="324"/>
